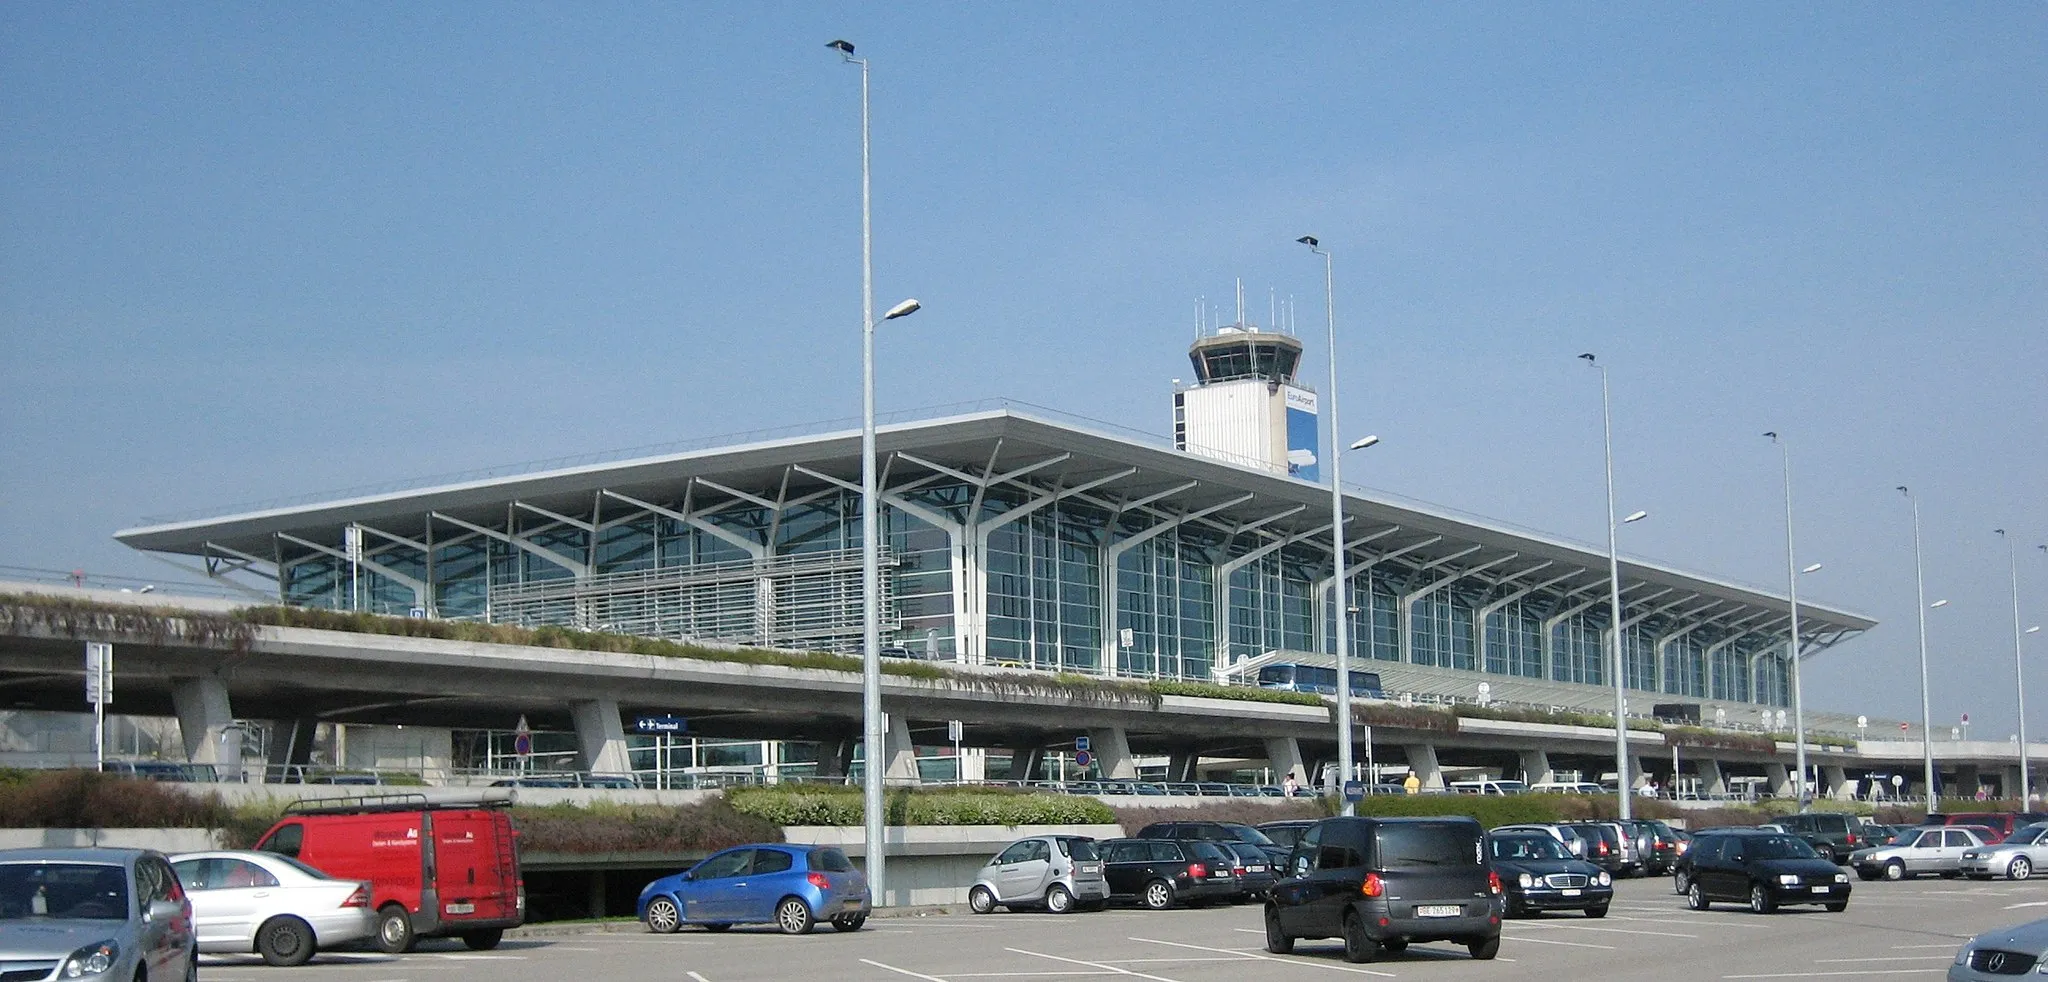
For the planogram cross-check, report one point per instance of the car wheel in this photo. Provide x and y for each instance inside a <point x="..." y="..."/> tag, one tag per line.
<point x="849" y="922"/>
<point x="981" y="900"/>
<point x="1838" y="907"/>
<point x="662" y="917"/>
<point x="1485" y="948"/>
<point x="483" y="940"/>
<point x="793" y="916"/>
<point x="1596" y="912"/>
<point x="2020" y="868"/>
<point x="1679" y="883"/>
<point x="1760" y="900"/>
<point x="1358" y="946"/>
<point x="192" y="968"/>
<point x="394" y="930"/>
<point x="1895" y="870"/>
<point x="1696" y="898"/>
<point x="1058" y="900"/>
<point x="1277" y="940"/>
<point x="284" y="941"/>
<point x="1158" y="895"/>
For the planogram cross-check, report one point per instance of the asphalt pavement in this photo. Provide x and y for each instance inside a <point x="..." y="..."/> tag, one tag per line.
<point x="1891" y="931"/>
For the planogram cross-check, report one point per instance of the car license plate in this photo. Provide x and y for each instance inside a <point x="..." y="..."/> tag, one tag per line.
<point x="461" y="908"/>
<point x="1821" y="889"/>
<point x="1570" y="891"/>
<point x="1091" y="868"/>
<point x="1255" y="869"/>
<point x="1439" y="910"/>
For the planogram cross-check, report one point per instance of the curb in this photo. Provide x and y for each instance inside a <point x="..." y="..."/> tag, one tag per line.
<point x="625" y="925"/>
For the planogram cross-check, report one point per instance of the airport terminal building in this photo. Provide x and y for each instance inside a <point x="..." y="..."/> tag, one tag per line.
<point x="1017" y="536"/>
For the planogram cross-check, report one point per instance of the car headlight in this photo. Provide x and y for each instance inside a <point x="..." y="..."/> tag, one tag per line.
<point x="1963" y="956"/>
<point x="1606" y="880"/>
<point x="1972" y="854"/>
<point x="1841" y="877"/>
<point x="1526" y="881"/>
<point x="93" y="959"/>
<point x="1788" y="879"/>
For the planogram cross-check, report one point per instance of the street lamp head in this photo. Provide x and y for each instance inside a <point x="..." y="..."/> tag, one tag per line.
<point x="1590" y="360"/>
<point x="843" y="47"/>
<point x="1905" y="491"/>
<point x="1773" y="434"/>
<point x="1310" y="241"/>
<point x="1365" y="441"/>
<point x="2001" y="532"/>
<point x="1637" y="517"/>
<point x="1937" y="603"/>
<point x="1815" y="568"/>
<point x="904" y="309"/>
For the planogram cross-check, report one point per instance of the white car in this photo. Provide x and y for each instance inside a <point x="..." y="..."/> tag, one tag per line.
<point x="273" y="905"/>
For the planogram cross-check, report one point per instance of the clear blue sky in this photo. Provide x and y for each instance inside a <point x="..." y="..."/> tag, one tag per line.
<point x="258" y="250"/>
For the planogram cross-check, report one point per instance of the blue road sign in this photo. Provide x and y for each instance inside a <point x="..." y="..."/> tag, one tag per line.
<point x="1083" y="758"/>
<point x="1081" y="744"/>
<point x="661" y="724"/>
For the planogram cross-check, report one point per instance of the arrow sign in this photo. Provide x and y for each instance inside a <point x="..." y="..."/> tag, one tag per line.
<point x="661" y="724"/>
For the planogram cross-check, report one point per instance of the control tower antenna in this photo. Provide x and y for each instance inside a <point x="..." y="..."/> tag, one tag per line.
<point x="1273" y="307"/>
<point x="1240" y="301"/>
<point x="1201" y="321"/>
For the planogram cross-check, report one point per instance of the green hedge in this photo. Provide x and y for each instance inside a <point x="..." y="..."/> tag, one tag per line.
<point x="1244" y="693"/>
<point x="87" y="799"/>
<point x="1701" y="737"/>
<point x="1604" y="721"/>
<point x="809" y="805"/>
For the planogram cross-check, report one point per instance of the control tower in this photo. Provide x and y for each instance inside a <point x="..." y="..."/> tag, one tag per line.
<point x="1245" y="406"/>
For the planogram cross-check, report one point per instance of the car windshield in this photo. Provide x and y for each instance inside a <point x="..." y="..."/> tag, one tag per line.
<point x="80" y="891"/>
<point x="2028" y="835"/>
<point x="1081" y="849"/>
<point x="1245" y="833"/>
<point x="1527" y="847"/>
<point x="1780" y="847"/>
<point x="1408" y="845"/>
<point x="830" y="861"/>
<point x="1285" y="835"/>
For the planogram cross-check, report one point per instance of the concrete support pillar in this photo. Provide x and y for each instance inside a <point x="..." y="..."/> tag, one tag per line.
<point x="2009" y="782"/>
<point x="206" y="722"/>
<point x="1422" y="760"/>
<point x="1834" y="781"/>
<point x="1027" y="763"/>
<point x="1780" y="778"/>
<point x="596" y="894"/>
<point x="1966" y="781"/>
<point x="1638" y="776"/>
<point x="291" y="746"/>
<point x="1712" y="783"/>
<point x="1284" y="754"/>
<point x="899" y="755"/>
<point x="1183" y="765"/>
<point x="601" y="736"/>
<point x="835" y="755"/>
<point x="1112" y="750"/>
<point x="1536" y="766"/>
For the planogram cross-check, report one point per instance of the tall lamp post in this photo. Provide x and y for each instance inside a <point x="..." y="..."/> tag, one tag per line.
<point x="2019" y="667"/>
<point x="1792" y="588"/>
<point x="1343" y="598"/>
<point x="1926" y="715"/>
<point x="873" y="736"/>
<point x="1614" y="598"/>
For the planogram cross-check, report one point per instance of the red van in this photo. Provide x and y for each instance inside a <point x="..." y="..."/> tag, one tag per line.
<point x="436" y="869"/>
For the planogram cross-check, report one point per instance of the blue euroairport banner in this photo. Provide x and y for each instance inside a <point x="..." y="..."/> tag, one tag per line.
<point x="661" y="724"/>
<point x="1302" y="444"/>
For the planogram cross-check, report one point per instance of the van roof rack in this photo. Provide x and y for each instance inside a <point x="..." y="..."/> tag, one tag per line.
<point x="399" y="801"/>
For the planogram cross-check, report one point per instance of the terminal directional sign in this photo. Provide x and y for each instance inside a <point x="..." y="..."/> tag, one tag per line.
<point x="1081" y="744"/>
<point x="661" y="724"/>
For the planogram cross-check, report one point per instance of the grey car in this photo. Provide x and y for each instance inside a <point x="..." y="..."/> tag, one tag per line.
<point x="2025" y="851"/>
<point x="1055" y="872"/>
<point x="115" y="914"/>
<point x="2001" y="954"/>
<point x="1933" y="849"/>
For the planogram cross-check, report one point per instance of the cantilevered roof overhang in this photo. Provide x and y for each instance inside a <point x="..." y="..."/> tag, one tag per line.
<point x="1119" y="472"/>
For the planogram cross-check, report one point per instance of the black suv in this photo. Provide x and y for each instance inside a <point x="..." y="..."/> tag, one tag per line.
<point x="1831" y="834"/>
<point x="1159" y="873"/>
<point x="1767" y="869"/>
<point x="1381" y="883"/>
<point x="1216" y="832"/>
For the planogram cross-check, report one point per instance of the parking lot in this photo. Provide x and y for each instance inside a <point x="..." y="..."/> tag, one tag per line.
<point x="1891" y="930"/>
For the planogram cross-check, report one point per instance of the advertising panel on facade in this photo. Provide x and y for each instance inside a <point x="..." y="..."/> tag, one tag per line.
<point x="1301" y="435"/>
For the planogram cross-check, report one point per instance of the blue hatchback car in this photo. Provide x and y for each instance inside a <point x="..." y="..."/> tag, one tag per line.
<point x="790" y="886"/>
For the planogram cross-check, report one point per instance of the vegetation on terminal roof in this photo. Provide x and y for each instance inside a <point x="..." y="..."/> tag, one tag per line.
<point x="840" y="805"/>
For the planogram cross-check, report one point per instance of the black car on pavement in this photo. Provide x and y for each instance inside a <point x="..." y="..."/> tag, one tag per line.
<point x="1285" y="832"/>
<point x="1538" y="874"/>
<point x="1603" y="846"/>
<point x="1216" y="832"/>
<point x="1382" y="883"/>
<point x="1255" y="875"/>
<point x="1832" y="834"/>
<point x="1763" y="868"/>
<point x="1160" y="873"/>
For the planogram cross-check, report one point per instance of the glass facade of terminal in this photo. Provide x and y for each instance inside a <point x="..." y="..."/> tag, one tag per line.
<point x="1010" y="577"/>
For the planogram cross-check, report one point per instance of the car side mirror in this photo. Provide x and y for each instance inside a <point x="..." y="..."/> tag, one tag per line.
<point x="163" y="909"/>
<point x="689" y="874"/>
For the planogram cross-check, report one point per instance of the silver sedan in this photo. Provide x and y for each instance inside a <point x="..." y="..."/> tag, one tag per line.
<point x="2001" y="954"/>
<point x="272" y="905"/>
<point x="2025" y="851"/>
<point x="1930" y="849"/>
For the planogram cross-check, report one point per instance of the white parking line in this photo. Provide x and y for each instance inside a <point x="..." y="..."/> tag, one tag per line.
<point x="1568" y="944"/>
<point x="1077" y="961"/>
<point x="902" y="971"/>
<point x="1257" y="956"/>
<point x="1890" y="958"/>
<point x="1903" y="947"/>
<point x="697" y="977"/>
<point x="1602" y="930"/>
<point x="1816" y="975"/>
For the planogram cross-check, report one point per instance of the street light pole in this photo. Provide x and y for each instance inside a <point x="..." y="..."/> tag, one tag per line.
<point x="1926" y="714"/>
<point x="1792" y="588"/>
<point x="1614" y="600"/>
<point x="2019" y="668"/>
<point x="1337" y="532"/>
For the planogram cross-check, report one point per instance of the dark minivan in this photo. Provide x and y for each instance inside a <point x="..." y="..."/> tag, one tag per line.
<point x="1381" y="883"/>
<point x="1767" y="869"/>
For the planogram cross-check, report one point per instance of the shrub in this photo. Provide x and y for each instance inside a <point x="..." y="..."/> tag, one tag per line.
<point x="1398" y="717"/>
<point x="1701" y="737"/>
<point x="88" y="799"/>
<point x="1560" y="717"/>
<point x="1245" y="693"/>
<point x="840" y="806"/>
<point x="1246" y="811"/>
<point x="706" y="826"/>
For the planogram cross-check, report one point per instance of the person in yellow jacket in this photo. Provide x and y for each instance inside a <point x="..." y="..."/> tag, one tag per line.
<point x="1413" y="783"/>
